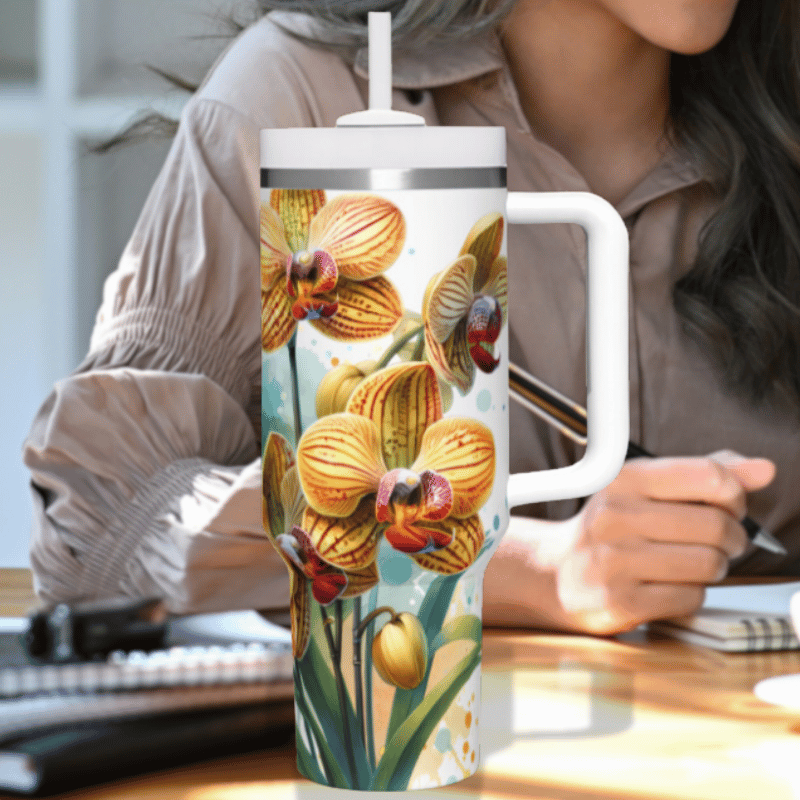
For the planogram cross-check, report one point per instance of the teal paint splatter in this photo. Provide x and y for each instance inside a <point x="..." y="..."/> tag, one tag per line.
<point x="442" y="742"/>
<point x="275" y="414"/>
<point x="395" y="568"/>
<point x="310" y="372"/>
<point x="484" y="400"/>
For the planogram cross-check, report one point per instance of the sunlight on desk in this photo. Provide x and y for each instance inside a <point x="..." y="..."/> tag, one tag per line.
<point x="568" y="717"/>
<point x="282" y="790"/>
<point x="639" y="717"/>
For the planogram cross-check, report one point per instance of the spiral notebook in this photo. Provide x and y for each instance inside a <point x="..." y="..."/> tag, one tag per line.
<point x="215" y="661"/>
<point x="741" y="618"/>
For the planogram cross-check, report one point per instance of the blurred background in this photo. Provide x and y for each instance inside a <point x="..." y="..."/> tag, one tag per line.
<point x="74" y="73"/>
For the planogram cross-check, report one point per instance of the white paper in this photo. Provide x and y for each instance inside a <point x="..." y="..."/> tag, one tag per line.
<point x="763" y="598"/>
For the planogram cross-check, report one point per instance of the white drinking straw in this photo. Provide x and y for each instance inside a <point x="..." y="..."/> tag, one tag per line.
<point x="379" y="24"/>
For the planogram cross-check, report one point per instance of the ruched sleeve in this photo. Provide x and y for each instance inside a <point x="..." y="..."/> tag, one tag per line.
<point x="145" y="462"/>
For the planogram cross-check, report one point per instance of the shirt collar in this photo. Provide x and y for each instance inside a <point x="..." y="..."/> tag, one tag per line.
<point x="672" y="173"/>
<point x="456" y="62"/>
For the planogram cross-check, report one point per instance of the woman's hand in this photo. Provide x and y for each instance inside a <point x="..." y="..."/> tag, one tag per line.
<point x="646" y="545"/>
<point x="643" y="548"/>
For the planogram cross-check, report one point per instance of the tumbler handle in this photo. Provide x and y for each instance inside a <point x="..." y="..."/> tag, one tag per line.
<point x="607" y="403"/>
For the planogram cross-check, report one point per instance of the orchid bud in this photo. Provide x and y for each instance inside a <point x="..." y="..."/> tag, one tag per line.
<point x="400" y="651"/>
<point x="335" y="388"/>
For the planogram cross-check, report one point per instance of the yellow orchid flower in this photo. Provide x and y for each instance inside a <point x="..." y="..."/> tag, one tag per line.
<point x="283" y="509"/>
<point x="466" y="306"/>
<point x="322" y="262"/>
<point x="391" y="465"/>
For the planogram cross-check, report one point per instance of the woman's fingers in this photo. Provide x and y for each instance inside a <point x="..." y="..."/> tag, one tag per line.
<point x="648" y="543"/>
<point x="629" y="521"/>
<point x="614" y="564"/>
<point x="752" y="473"/>
<point x="677" y="563"/>
<point x="698" y="480"/>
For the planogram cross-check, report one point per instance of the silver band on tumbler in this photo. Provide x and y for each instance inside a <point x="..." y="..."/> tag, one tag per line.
<point x="385" y="180"/>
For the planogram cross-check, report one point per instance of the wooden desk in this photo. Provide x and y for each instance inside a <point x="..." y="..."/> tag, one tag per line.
<point x="626" y="719"/>
<point x="16" y="592"/>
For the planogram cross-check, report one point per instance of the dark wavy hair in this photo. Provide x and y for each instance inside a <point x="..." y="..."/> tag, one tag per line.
<point x="415" y="23"/>
<point x="735" y="111"/>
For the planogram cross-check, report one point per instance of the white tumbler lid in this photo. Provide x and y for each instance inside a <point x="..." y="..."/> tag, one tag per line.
<point x="407" y="147"/>
<point x="380" y="138"/>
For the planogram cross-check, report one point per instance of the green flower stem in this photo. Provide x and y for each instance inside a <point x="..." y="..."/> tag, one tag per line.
<point x="397" y="346"/>
<point x="357" y="666"/>
<point x="298" y="423"/>
<point x="336" y="659"/>
<point x="371" y="616"/>
<point x="370" y="632"/>
<point x="359" y="626"/>
<point x="419" y="350"/>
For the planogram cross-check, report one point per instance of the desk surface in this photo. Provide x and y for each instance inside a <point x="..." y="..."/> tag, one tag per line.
<point x="563" y="717"/>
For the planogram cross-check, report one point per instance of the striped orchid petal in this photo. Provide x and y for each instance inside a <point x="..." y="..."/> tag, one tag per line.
<point x="401" y="401"/>
<point x="275" y="252"/>
<point x="497" y="284"/>
<point x="277" y="480"/>
<point x="361" y="580"/>
<point x="451" y="359"/>
<point x="365" y="310"/>
<point x="277" y="322"/>
<point x="484" y="241"/>
<point x="296" y="208"/>
<point x="300" y="607"/>
<point x="462" y="551"/>
<point x="364" y="234"/>
<point x="292" y="499"/>
<point x="450" y="297"/>
<point x="461" y="450"/>
<point x="351" y="542"/>
<point x="278" y="460"/>
<point x="339" y="461"/>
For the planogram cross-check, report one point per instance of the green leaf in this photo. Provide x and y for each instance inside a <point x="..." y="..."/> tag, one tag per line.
<point x="319" y="679"/>
<point x="320" y="688"/>
<point x="467" y="626"/>
<point x="369" y="635"/>
<point x="331" y="762"/>
<point x="306" y="763"/>
<point x="403" y="750"/>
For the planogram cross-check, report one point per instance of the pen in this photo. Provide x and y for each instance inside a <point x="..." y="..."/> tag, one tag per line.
<point x="570" y="418"/>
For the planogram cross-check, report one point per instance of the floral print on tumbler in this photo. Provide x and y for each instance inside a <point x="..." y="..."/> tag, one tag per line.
<point x="375" y="486"/>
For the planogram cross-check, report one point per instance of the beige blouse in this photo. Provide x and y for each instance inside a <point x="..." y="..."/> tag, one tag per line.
<point x="145" y="462"/>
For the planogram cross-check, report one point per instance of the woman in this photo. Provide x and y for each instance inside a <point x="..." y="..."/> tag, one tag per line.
<point x="682" y="113"/>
